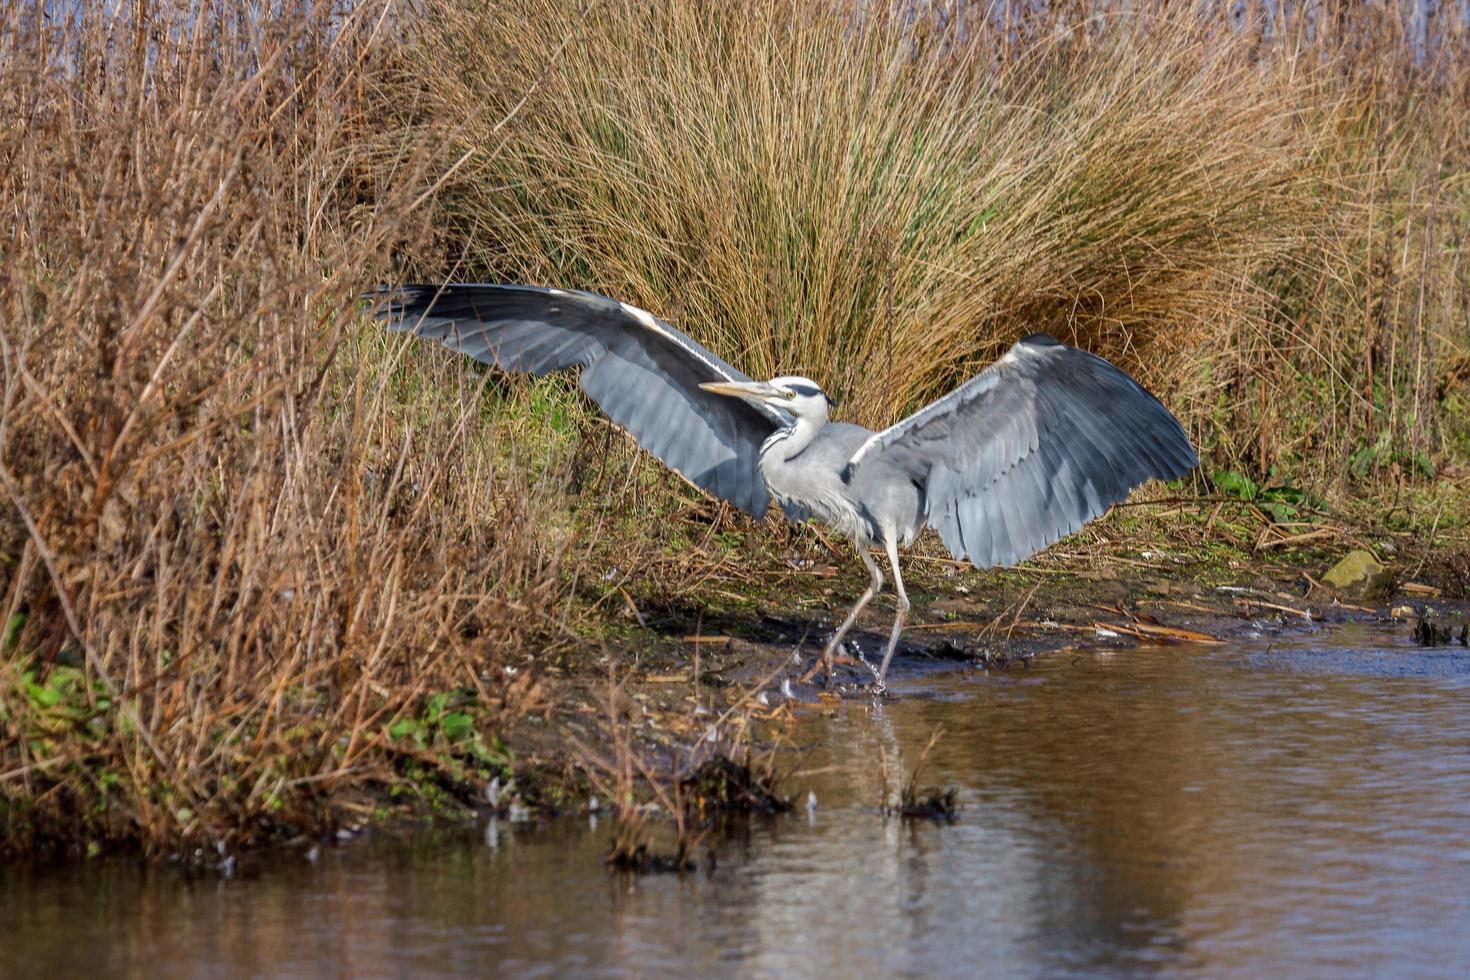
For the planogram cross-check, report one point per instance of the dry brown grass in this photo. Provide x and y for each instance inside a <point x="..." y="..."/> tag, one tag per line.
<point x="816" y="191"/>
<point x="1346" y="370"/>
<point x="257" y="561"/>
<point x="240" y="541"/>
<point x="1268" y="226"/>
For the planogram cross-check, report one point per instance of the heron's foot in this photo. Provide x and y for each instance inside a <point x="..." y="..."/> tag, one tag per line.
<point x="829" y="662"/>
<point x="878" y="689"/>
<point x="825" y="663"/>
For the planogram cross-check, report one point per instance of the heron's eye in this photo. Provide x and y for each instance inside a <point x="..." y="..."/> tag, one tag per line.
<point x="789" y="394"/>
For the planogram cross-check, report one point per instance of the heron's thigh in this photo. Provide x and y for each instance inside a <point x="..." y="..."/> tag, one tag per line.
<point x="893" y="501"/>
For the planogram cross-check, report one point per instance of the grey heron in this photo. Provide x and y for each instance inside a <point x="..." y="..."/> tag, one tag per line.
<point x="1022" y="454"/>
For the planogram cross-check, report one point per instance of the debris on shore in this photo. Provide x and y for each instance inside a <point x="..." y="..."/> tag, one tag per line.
<point x="1430" y="634"/>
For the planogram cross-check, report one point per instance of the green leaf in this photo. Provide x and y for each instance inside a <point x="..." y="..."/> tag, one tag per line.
<point x="46" y="697"/>
<point x="1364" y="459"/>
<point x="1278" y="512"/>
<point x="404" y="727"/>
<point x="12" y="631"/>
<point x="457" y="725"/>
<point x="1236" y="484"/>
<point x="1286" y="494"/>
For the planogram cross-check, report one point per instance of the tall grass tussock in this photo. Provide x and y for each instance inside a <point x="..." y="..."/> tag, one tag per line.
<point x="260" y="564"/>
<point x="1262" y="215"/>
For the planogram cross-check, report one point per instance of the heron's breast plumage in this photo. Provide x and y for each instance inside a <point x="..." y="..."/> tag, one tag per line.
<point x="806" y="470"/>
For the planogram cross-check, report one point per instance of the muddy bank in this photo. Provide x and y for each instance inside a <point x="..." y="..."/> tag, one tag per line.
<point x="685" y="678"/>
<point x="698" y="679"/>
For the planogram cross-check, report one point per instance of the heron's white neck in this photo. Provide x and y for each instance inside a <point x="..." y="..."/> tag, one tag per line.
<point x="784" y="444"/>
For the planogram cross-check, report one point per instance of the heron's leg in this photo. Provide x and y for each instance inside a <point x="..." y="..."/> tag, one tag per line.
<point x="903" y="607"/>
<point x="875" y="582"/>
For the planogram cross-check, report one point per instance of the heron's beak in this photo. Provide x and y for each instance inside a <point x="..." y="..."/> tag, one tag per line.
<point x="757" y="390"/>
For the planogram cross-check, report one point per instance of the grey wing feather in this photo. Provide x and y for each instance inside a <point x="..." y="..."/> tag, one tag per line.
<point x="642" y="372"/>
<point x="1026" y="452"/>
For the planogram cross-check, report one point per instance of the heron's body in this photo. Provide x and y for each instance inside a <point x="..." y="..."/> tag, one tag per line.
<point x="803" y="466"/>
<point x="1019" y="456"/>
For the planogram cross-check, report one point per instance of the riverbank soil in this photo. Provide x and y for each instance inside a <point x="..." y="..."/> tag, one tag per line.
<point x="693" y="673"/>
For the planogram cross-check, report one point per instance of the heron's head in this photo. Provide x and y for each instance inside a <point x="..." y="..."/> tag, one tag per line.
<point x="798" y="396"/>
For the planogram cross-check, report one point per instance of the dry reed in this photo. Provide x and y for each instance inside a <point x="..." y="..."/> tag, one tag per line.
<point x="258" y="562"/>
<point x="251" y="561"/>
<point x="1262" y="216"/>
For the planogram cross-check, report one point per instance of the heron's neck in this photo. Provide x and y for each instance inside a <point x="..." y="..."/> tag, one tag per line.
<point x="784" y="444"/>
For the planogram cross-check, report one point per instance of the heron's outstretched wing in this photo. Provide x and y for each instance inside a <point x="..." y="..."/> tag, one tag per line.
<point x="1030" y="449"/>
<point x="642" y="372"/>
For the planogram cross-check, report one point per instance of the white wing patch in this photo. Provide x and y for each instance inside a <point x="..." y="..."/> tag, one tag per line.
<point x="862" y="450"/>
<point x="642" y="316"/>
<point x="651" y="322"/>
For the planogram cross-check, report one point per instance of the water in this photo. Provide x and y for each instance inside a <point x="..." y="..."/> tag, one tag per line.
<point x="1295" y="808"/>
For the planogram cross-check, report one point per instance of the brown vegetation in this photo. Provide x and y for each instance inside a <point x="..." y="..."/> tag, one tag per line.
<point x="1268" y="226"/>
<point x="242" y="543"/>
<point x="259" y="563"/>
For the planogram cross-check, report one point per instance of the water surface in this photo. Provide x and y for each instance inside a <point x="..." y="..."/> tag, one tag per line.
<point x="1298" y="806"/>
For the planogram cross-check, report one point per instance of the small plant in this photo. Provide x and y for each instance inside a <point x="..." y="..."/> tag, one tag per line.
<point x="722" y="783"/>
<point x="941" y="806"/>
<point x="1383" y="453"/>
<point x="449" y="749"/>
<point x="631" y="848"/>
<point x="1282" y="503"/>
<point x="913" y="802"/>
<point x="1430" y="634"/>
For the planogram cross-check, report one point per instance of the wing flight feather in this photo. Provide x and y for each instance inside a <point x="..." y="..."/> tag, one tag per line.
<point x="1026" y="452"/>
<point x="640" y="370"/>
